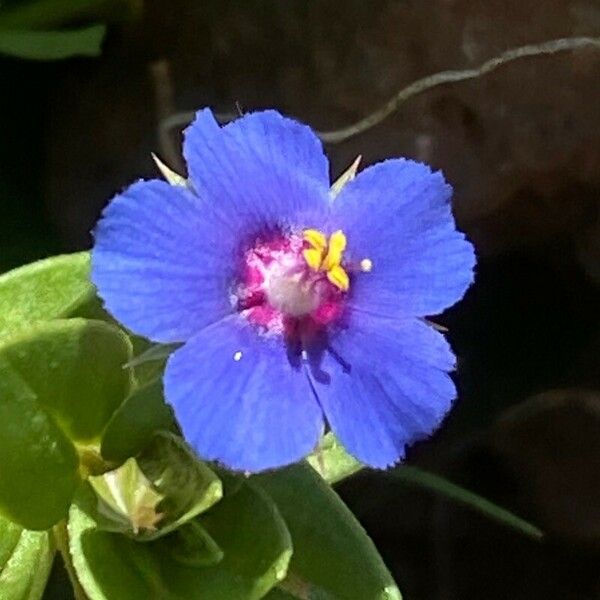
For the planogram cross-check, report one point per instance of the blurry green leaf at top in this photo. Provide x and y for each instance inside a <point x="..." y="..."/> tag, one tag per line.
<point x="53" y="45"/>
<point x="244" y="532"/>
<point x="25" y="561"/>
<point x="333" y="557"/>
<point x="53" y="288"/>
<point x="53" y="14"/>
<point x="59" y="29"/>
<point x="163" y="488"/>
<point x="135" y="422"/>
<point x="60" y="382"/>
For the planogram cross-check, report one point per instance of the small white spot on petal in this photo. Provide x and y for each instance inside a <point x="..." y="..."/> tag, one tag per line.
<point x="366" y="265"/>
<point x="238" y="356"/>
<point x="304" y="355"/>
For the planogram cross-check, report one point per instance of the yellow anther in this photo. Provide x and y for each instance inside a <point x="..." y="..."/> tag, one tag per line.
<point x="366" y="265"/>
<point x="335" y="250"/>
<point x="339" y="278"/>
<point x="324" y="255"/>
<point x="316" y="239"/>
<point x="313" y="258"/>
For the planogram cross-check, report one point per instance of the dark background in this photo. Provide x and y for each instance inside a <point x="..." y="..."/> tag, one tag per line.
<point x="522" y="149"/>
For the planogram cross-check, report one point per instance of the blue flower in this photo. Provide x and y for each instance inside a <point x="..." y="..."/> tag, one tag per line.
<point x="296" y="309"/>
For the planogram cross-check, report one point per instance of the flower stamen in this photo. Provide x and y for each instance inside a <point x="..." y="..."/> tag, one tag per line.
<point x="326" y="256"/>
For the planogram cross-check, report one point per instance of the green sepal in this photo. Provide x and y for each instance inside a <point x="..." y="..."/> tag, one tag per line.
<point x="154" y="494"/>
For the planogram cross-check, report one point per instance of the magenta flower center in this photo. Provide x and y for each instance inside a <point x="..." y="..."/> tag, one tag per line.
<point x="283" y="292"/>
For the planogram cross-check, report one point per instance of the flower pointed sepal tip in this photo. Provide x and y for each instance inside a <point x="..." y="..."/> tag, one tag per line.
<point x="346" y="177"/>
<point x="171" y="176"/>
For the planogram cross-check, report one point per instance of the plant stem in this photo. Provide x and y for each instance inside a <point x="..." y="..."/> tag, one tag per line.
<point x="61" y="537"/>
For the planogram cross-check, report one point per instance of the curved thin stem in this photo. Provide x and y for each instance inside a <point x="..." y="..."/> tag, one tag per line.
<point x="336" y="136"/>
<point x="431" y="81"/>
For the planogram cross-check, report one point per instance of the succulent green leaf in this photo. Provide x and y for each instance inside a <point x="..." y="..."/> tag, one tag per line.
<point x="57" y="287"/>
<point x="135" y="422"/>
<point x="25" y="561"/>
<point x="249" y="539"/>
<point x="333" y="558"/>
<point x="160" y="490"/>
<point x="74" y="367"/>
<point x="256" y="543"/>
<point x="60" y="382"/>
<point x="192" y="545"/>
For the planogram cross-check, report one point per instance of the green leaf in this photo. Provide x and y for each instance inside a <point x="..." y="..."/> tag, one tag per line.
<point x="256" y="543"/>
<point x="53" y="45"/>
<point x="442" y="487"/>
<point x="135" y="422"/>
<point x="332" y="462"/>
<point x="60" y="382"/>
<point x="192" y="545"/>
<point x="246" y="526"/>
<point x="53" y="14"/>
<point x="279" y="594"/>
<point x="53" y="288"/>
<point x="25" y="562"/>
<point x="333" y="559"/>
<point x="165" y="487"/>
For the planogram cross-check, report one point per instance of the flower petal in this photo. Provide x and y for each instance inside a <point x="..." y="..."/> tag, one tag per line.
<point x="397" y="215"/>
<point x="240" y="401"/>
<point x="383" y="384"/>
<point x="161" y="262"/>
<point x="263" y="166"/>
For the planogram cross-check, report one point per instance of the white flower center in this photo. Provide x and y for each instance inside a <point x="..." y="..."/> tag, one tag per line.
<point x="290" y="289"/>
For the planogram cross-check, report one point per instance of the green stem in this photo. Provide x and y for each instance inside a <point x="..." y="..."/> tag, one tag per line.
<point x="334" y="464"/>
<point x="61" y="538"/>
